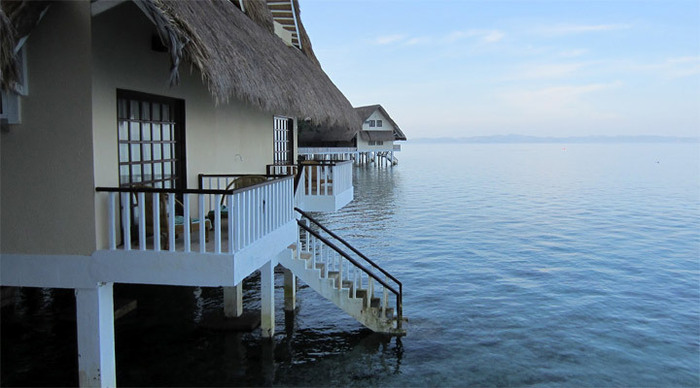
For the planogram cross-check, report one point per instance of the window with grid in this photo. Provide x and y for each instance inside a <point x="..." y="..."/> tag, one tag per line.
<point x="283" y="152"/>
<point x="150" y="140"/>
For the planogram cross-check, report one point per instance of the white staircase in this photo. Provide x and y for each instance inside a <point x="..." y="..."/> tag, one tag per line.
<point x="366" y="292"/>
<point x="390" y="157"/>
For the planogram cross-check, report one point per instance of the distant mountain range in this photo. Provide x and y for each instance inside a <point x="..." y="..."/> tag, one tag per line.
<point x="567" y="140"/>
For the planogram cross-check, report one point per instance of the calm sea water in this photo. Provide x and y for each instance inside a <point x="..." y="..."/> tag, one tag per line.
<point x="523" y="265"/>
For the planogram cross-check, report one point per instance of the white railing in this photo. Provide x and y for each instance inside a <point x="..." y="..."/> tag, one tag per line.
<point x="326" y="178"/>
<point x="156" y="217"/>
<point x="325" y="150"/>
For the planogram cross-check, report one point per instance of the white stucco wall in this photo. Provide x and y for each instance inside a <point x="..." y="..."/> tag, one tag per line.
<point x="46" y="181"/>
<point x="363" y="145"/>
<point x="377" y="115"/>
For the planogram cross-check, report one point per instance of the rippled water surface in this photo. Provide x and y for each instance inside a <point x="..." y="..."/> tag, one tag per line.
<point x="522" y="265"/>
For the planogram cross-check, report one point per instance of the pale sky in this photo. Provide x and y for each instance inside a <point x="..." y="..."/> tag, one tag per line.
<point x="544" y="68"/>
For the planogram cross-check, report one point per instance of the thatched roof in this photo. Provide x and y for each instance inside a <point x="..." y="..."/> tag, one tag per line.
<point x="17" y="20"/>
<point x="239" y="57"/>
<point x="365" y="111"/>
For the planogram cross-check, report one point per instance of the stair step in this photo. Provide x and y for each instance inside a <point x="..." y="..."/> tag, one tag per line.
<point x="305" y="255"/>
<point x="349" y="284"/>
<point x="335" y="275"/>
<point x="361" y="293"/>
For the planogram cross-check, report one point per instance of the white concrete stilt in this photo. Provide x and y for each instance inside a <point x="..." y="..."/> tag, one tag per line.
<point x="290" y="290"/>
<point x="95" y="324"/>
<point x="267" y="296"/>
<point x="233" y="301"/>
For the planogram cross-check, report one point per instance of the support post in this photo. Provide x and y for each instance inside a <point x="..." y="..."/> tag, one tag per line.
<point x="233" y="301"/>
<point x="290" y="291"/>
<point x="267" y="296"/>
<point x="95" y="324"/>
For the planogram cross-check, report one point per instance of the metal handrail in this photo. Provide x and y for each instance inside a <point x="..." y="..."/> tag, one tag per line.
<point x="347" y="244"/>
<point x="399" y="294"/>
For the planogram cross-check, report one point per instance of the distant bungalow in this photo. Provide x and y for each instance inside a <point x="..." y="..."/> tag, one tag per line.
<point x="374" y="142"/>
<point x="120" y="167"/>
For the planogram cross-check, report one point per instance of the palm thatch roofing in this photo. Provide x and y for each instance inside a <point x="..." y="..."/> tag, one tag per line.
<point x="237" y="54"/>
<point x="365" y="111"/>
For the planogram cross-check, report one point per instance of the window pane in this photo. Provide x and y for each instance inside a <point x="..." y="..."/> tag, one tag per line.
<point x="168" y="170"/>
<point x="156" y="112"/>
<point x="134" y="114"/>
<point x="146" y="132"/>
<point x="135" y="131"/>
<point x="123" y="152"/>
<point x="166" y="112"/>
<point x="167" y="148"/>
<point x="166" y="132"/>
<point x="124" y="174"/>
<point x="145" y="110"/>
<point x="156" y="132"/>
<point x="147" y="172"/>
<point x="136" y="173"/>
<point x="121" y="108"/>
<point x="157" y="171"/>
<point x="147" y="152"/>
<point x="136" y="152"/>
<point x="157" y="155"/>
<point x="123" y="130"/>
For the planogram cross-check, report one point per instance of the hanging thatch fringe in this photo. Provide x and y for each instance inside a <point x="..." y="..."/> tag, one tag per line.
<point x="17" y="20"/>
<point x="239" y="58"/>
<point x="8" y="60"/>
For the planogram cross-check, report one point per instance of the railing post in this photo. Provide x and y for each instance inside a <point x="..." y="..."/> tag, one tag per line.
<point x="171" y="221"/>
<point x="202" y="232"/>
<point x="384" y="302"/>
<point x="126" y="220"/>
<point x="239" y="230"/>
<point x="186" y="222"/>
<point x="112" y="229"/>
<point x="156" y="220"/>
<point x="141" y="203"/>
<point x="229" y="204"/>
<point x="340" y="272"/>
<point x="217" y="228"/>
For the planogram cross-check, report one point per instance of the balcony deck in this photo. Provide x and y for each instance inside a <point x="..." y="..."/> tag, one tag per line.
<point x="246" y="227"/>
<point x="325" y="185"/>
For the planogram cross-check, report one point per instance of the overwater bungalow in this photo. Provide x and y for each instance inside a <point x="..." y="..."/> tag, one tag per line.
<point x="154" y="142"/>
<point x="374" y="142"/>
